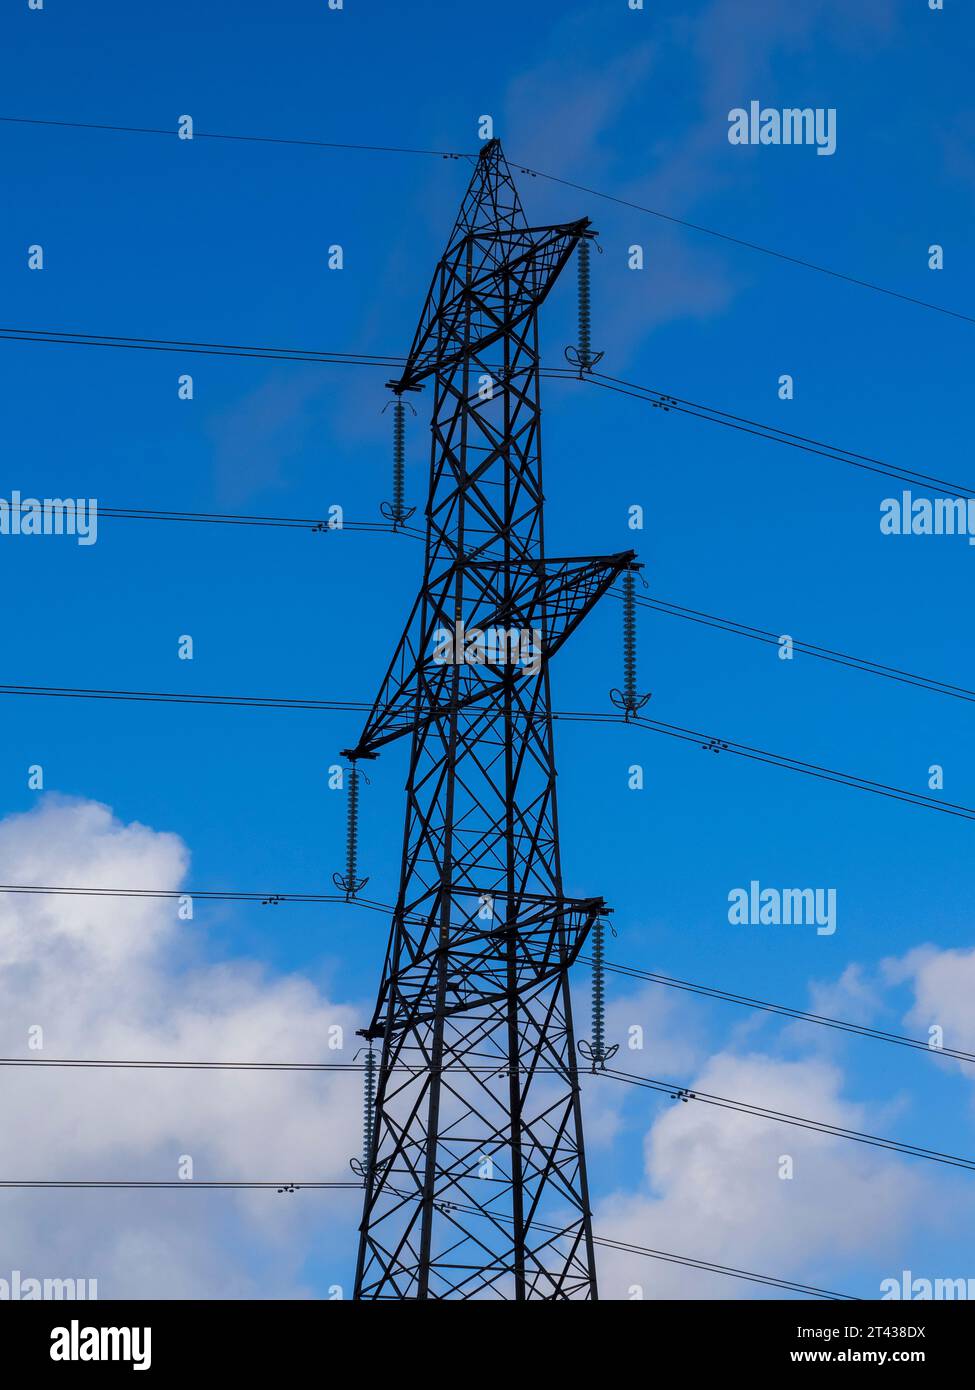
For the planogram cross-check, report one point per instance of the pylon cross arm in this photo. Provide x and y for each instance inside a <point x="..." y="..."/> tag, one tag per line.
<point x="548" y="601"/>
<point x="518" y="276"/>
<point x="474" y="958"/>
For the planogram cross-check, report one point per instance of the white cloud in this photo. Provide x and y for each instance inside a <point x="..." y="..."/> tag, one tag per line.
<point x="656" y="1032"/>
<point x="944" y="984"/>
<point x="119" y="978"/>
<point x="714" y="1191"/>
<point x="126" y="978"/>
<point x="853" y="996"/>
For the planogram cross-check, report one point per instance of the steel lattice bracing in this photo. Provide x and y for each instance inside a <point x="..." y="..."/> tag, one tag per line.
<point x="476" y="1182"/>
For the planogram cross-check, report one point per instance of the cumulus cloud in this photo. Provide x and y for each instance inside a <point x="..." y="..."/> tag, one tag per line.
<point x="649" y="1023"/>
<point x="943" y="984"/>
<point x="714" y="1191"/>
<point x="116" y="978"/>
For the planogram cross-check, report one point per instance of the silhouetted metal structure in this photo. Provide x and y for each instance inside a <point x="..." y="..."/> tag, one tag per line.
<point x="476" y="1179"/>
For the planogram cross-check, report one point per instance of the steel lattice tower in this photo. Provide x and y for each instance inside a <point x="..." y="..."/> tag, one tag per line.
<point x="476" y="1180"/>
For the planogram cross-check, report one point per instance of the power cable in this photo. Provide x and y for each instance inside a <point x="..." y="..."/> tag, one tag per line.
<point x="707" y="1266"/>
<point x="742" y="242"/>
<point x="69" y="338"/>
<point x="786" y="1011"/>
<point x="246" y="139"/>
<point x="748" y="245"/>
<point x="809" y="769"/>
<point x="757" y="634"/>
<point x="674" y="610"/>
<point x="683" y="1093"/>
<point x="650" y="394"/>
<point x="177" y="1183"/>
<point x="865" y="462"/>
<point x="709" y="742"/>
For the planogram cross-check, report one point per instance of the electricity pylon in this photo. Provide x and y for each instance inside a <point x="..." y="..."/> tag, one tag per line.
<point x="476" y="1176"/>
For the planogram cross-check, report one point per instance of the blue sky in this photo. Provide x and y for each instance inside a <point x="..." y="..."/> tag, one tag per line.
<point x="227" y="242"/>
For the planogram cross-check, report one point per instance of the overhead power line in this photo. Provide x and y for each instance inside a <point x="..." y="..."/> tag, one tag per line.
<point x="709" y="742"/>
<point x="150" y="1064"/>
<point x="176" y="1183"/>
<point x="709" y="1267"/>
<point x="757" y="634"/>
<point x="666" y="402"/>
<point x="674" y="1090"/>
<point x="634" y="206"/>
<point x="181" y="698"/>
<point x="760" y="1112"/>
<point x="749" y="245"/>
<point x="706" y="1266"/>
<point x="274" y="898"/>
<point x="786" y="1011"/>
<point x="69" y="338"/>
<point x="270" y="899"/>
<point x="650" y="394"/>
<point x="743" y="750"/>
<point x="245" y="139"/>
<point x="293" y="523"/>
<point x="674" y="610"/>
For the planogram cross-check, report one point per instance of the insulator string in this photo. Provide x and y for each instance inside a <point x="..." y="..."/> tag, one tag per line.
<point x="350" y="882"/>
<point x="397" y="511"/>
<point x="627" y="699"/>
<point x="368" y="1107"/>
<point x="582" y="355"/>
<point x="585" y="309"/>
<point x="596" y="1051"/>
